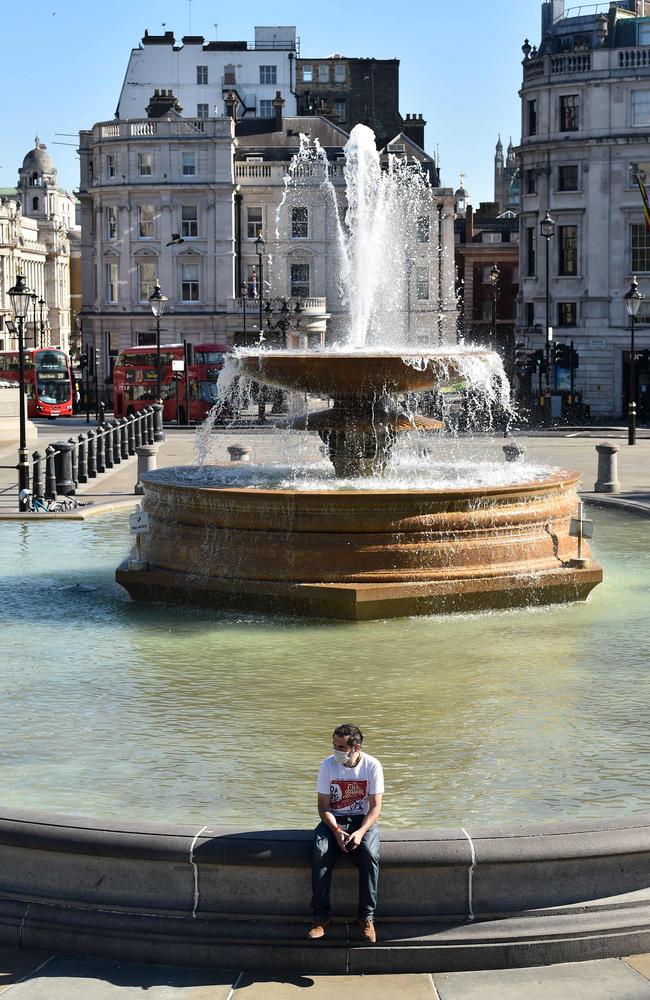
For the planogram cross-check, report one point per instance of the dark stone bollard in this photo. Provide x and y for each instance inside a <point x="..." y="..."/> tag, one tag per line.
<point x="50" y="474"/>
<point x="514" y="452"/>
<point x="108" y="446"/>
<point x="92" y="455"/>
<point x="150" y="427"/>
<point x="147" y="462"/>
<point x="75" y="460"/>
<point x="239" y="453"/>
<point x="158" y="433"/>
<point x="115" y="432"/>
<point x="65" y="484"/>
<point x="101" y="413"/>
<point x="138" y="424"/>
<point x="101" y="451"/>
<point x="38" y="475"/>
<point x="124" y="437"/>
<point x="607" y="481"/>
<point x="130" y="434"/>
<point x="82" y="452"/>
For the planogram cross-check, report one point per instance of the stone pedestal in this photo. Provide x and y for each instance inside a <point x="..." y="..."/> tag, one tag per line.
<point x="607" y="481"/>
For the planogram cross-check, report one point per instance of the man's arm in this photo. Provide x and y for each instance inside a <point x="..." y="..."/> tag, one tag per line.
<point x="330" y="820"/>
<point x="354" y="839"/>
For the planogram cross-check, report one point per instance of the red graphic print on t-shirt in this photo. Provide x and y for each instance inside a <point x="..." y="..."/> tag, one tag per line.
<point x="347" y="794"/>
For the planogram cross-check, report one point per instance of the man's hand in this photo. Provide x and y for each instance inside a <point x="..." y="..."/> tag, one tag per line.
<point x="342" y="838"/>
<point x="354" y="839"/>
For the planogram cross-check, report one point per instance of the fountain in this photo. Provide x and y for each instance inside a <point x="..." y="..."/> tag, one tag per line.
<point x="363" y="545"/>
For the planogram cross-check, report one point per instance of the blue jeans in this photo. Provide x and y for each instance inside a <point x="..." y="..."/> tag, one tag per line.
<point x="325" y="854"/>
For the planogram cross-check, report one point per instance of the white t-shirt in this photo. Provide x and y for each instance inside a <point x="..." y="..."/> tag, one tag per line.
<point x="349" y="787"/>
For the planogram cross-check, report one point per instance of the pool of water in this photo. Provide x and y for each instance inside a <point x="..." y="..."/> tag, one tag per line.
<point x="111" y="708"/>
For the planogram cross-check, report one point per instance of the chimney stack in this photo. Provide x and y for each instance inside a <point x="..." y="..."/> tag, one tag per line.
<point x="162" y="102"/>
<point x="230" y="101"/>
<point x="413" y="127"/>
<point x="278" y="106"/>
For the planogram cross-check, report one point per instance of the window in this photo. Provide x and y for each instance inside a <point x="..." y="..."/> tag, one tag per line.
<point x="530" y="314"/>
<point x="531" y="182"/>
<point x="640" y="247"/>
<point x="268" y="74"/>
<point x="112" y="273"/>
<point x="145" y="164"/>
<point x="339" y="72"/>
<point x="229" y="75"/>
<point x="490" y="237"/>
<point x="640" y="107"/>
<point x="567" y="177"/>
<point x="253" y="222"/>
<point x="531" y="246"/>
<point x="639" y="169"/>
<point x="531" y="113"/>
<point x="202" y="110"/>
<point x="340" y="110"/>
<point x="307" y="73"/>
<point x="189" y="281"/>
<point x="569" y="113"/>
<point x="422" y="283"/>
<point x="644" y="33"/>
<point x="34" y="204"/>
<point x="300" y="281"/>
<point x="568" y="244"/>
<point x="146" y="222"/>
<point x="567" y="313"/>
<point x="146" y="279"/>
<point x="111" y="222"/>
<point x="189" y="164"/>
<point x="202" y="75"/>
<point x="266" y="109"/>
<point x="110" y="166"/>
<point x="423" y="228"/>
<point x="323" y="73"/>
<point x="189" y="221"/>
<point x="299" y="223"/>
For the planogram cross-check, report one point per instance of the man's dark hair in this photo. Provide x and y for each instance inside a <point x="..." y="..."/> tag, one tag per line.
<point x="349" y="731"/>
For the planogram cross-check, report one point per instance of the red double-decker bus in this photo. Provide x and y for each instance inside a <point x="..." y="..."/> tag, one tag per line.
<point x="187" y="395"/>
<point x="48" y="383"/>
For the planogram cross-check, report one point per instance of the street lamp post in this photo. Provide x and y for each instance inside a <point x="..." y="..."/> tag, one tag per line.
<point x="260" y="247"/>
<point x="244" y="293"/>
<point x="495" y="273"/>
<point x="41" y="303"/>
<point x="20" y="297"/>
<point x="547" y="229"/>
<point x="34" y="304"/>
<point x="633" y="300"/>
<point x="157" y="302"/>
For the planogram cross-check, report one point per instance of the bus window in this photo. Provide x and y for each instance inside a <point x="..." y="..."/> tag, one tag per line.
<point x="53" y="392"/>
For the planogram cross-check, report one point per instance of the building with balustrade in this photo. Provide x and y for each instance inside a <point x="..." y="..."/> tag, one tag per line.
<point x="585" y="103"/>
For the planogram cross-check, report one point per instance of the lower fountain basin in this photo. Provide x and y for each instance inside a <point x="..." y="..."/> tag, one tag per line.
<point x="360" y="554"/>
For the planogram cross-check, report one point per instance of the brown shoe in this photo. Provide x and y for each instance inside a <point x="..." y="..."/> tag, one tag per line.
<point x="368" y="929"/>
<point x="317" y="929"/>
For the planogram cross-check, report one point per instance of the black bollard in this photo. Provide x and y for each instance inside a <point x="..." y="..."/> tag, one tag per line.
<point x="149" y="426"/>
<point x="158" y="433"/>
<point x="82" y="453"/>
<point x="50" y="474"/>
<point x="65" y="485"/>
<point x="130" y="433"/>
<point x="101" y="413"/>
<point x="92" y="454"/>
<point x="115" y="431"/>
<point x="101" y="451"/>
<point x="75" y="460"/>
<point x="108" y="446"/>
<point x="137" y="429"/>
<point x="38" y="475"/>
<point x="124" y="437"/>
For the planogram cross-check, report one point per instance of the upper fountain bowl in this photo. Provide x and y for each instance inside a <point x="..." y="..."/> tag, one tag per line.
<point x="341" y="374"/>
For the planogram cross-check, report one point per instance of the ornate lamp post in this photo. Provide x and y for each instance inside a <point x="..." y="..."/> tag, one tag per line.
<point x="244" y="295"/>
<point x="495" y="274"/>
<point x="287" y="319"/>
<point x="633" y="300"/>
<point x="157" y="302"/>
<point x="547" y="229"/>
<point x="20" y="297"/>
<point x="41" y="304"/>
<point x="260" y="247"/>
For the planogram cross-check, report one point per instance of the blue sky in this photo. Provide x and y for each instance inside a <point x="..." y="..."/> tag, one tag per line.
<point x="64" y="61"/>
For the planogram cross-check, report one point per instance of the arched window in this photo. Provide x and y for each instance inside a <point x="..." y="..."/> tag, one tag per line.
<point x="34" y="178"/>
<point x="34" y="204"/>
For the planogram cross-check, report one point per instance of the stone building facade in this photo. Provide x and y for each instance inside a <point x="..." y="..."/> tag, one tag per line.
<point x="585" y="103"/>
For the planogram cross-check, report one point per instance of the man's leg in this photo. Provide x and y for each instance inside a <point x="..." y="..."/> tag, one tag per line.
<point x="366" y="857"/>
<point x="325" y="852"/>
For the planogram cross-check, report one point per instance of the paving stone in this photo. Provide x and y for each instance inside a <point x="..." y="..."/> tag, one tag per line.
<point x="639" y="962"/>
<point x="259" y="987"/>
<point x="609" y="979"/>
<point x="15" y="964"/>
<point x="70" y="978"/>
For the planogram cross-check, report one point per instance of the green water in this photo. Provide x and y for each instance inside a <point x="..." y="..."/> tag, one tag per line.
<point x="114" y="709"/>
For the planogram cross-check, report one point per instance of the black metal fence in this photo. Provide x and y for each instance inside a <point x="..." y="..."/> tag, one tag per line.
<point x="66" y="464"/>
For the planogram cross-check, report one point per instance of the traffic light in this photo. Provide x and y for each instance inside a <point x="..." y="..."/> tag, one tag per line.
<point x="83" y="360"/>
<point x="98" y="359"/>
<point x="189" y="353"/>
<point x="561" y="355"/>
<point x="539" y="360"/>
<point x="575" y="359"/>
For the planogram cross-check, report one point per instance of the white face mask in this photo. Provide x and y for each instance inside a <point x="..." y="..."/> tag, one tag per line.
<point x="342" y="756"/>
